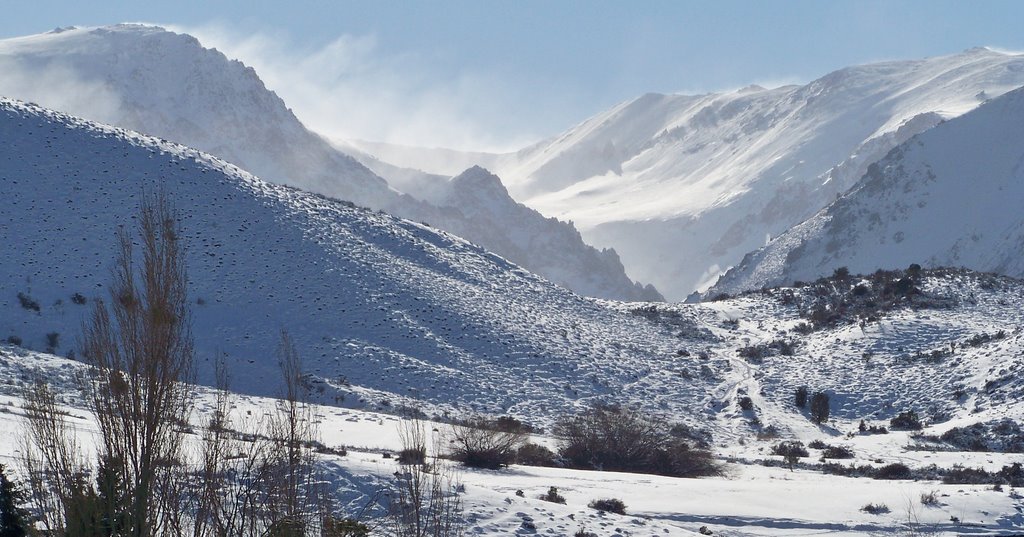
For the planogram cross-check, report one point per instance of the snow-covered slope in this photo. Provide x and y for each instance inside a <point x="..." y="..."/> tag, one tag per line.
<point x="948" y="197"/>
<point x="150" y="80"/>
<point x="384" y="310"/>
<point x="954" y="354"/>
<point x="683" y="186"/>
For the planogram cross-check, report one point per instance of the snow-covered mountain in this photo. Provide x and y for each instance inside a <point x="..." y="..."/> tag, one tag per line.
<point x="950" y="196"/>
<point x="150" y="80"/>
<point x="682" y="186"/>
<point x="385" y="311"/>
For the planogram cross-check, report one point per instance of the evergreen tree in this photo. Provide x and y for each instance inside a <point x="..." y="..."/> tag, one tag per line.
<point x="820" y="407"/>
<point x="13" y="519"/>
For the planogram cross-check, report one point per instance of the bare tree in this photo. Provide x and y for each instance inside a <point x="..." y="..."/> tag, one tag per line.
<point x="57" y="473"/>
<point x="141" y="351"/>
<point x="295" y="482"/>
<point x="485" y="444"/>
<point x="424" y="501"/>
<point x="234" y="472"/>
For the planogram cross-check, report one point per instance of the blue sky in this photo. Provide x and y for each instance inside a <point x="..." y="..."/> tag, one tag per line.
<point x="496" y="75"/>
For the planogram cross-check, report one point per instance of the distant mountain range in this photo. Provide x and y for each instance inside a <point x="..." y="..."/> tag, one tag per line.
<point x="951" y="196"/>
<point x="682" y="186"/>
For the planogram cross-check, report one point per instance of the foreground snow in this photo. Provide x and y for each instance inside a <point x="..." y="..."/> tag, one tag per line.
<point x="750" y="499"/>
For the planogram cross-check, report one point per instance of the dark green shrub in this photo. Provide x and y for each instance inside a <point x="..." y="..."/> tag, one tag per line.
<point x="414" y="455"/>
<point x="962" y="475"/>
<point x="531" y="454"/>
<point x="790" y="448"/>
<point x="14" y="520"/>
<point x="896" y="470"/>
<point x="906" y="421"/>
<point x="820" y="407"/>
<point x="875" y="508"/>
<point x="52" y="341"/>
<point x="610" y="505"/>
<point x="553" y="496"/>
<point x="800" y="397"/>
<point x="28" y="302"/>
<point x="345" y="527"/>
<point x="837" y="452"/>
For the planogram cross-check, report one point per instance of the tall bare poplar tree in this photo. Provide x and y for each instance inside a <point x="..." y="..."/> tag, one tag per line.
<point x="140" y="347"/>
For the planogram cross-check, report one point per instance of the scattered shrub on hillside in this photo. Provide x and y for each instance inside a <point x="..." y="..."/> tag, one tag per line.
<point x="582" y="532"/>
<point x="610" y="505"/>
<point x="790" y="448"/>
<point x="696" y="437"/>
<point x="872" y="429"/>
<point x="615" y="439"/>
<point x="746" y="403"/>
<point x="487" y="443"/>
<point x="344" y="527"/>
<point x="531" y="454"/>
<point x="52" y="341"/>
<point x="757" y="353"/>
<point x="837" y="452"/>
<point x="962" y="475"/>
<point x="1012" y="475"/>
<point x="844" y="298"/>
<point x="412" y="456"/>
<point x="820" y="407"/>
<point x="978" y="340"/>
<point x="1004" y="436"/>
<point x="553" y="496"/>
<point x="28" y="302"/>
<point x="508" y="424"/>
<point x="78" y="299"/>
<point x="906" y="421"/>
<point x="791" y="451"/>
<point x="930" y="498"/>
<point x="800" y="397"/>
<point x="896" y="470"/>
<point x="817" y="444"/>
<point x="13" y="340"/>
<point x="875" y="508"/>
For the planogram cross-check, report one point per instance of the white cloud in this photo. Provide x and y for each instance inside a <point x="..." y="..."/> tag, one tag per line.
<point x="350" y="89"/>
<point x="58" y="87"/>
